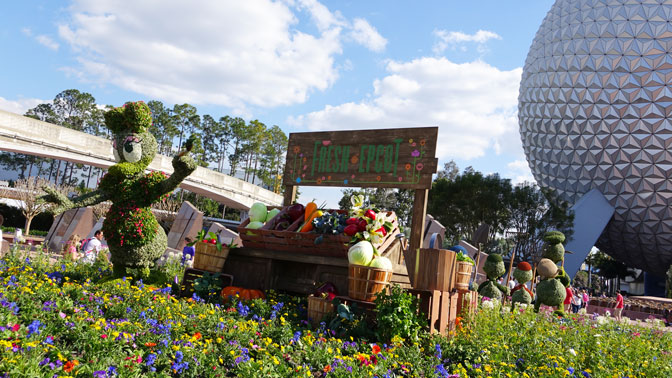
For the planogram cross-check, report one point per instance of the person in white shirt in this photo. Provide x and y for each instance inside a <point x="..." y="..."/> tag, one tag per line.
<point x="511" y="283"/>
<point x="92" y="247"/>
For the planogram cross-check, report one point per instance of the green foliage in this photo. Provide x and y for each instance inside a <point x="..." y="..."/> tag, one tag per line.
<point x="462" y="257"/>
<point x="209" y="286"/>
<point x="521" y="296"/>
<point x="551" y="292"/>
<point x="398" y="314"/>
<point x="522" y="276"/>
<point x="489" y="289"/>
<point x="494" y="266"/>
<point x="349" y="321"/>
<point x="467" y="201"/>
<point x="132" y="117"/>
<point x="554" y="237"/>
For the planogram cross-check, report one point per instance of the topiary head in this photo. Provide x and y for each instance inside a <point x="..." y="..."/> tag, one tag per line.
<point x="494" y="266"/>
<point x="134" y="147"/>
<point x="523" y="272"/>
<point x="553" y="248"/>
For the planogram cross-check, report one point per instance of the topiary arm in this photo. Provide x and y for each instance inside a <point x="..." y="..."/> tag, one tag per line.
<point x="63" y="203"/>
<point x="481" y="285"/>
<point x="563" y="277"/>
<point x="502" y="288"/>
<point x="183" y="165"/>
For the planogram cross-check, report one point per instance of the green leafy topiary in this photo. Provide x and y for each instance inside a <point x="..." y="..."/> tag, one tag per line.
<point x="551" y="289"/>
<point x="521" y="294"/>
<point x="494" y="268"/>
<point x="132" y="233"/>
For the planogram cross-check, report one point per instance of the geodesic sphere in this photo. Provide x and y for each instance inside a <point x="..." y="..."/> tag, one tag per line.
<point x="595" y="108"/>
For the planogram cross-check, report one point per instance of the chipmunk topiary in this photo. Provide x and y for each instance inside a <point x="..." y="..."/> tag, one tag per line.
<point x="494" y="268"/>
<point x="551" y="289"/>
<point x="520" y="293"/>
<point x="133" y="234"/>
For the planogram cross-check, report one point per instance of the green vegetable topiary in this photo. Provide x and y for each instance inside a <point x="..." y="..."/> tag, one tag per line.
<point x="554" y="237"/>
<point x="553" y="248"/>
<point x="520" y="293"/>
<point x="551" y="292"/>
<point x="554" y="280"/>
<point x="132" y="233"/>
<point x="494" y="268"/>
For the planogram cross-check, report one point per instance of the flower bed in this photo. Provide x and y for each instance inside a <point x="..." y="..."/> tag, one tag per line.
<point x="65" y="320"/>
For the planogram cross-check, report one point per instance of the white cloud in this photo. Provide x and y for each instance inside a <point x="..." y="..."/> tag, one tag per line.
<point x="520" y="172"/>
<point x="366" y="35"/>
<point x="232" y="53"/>
<point x="456" y="38"/>
<point x="474" y="105"/>
<point x="21" y="105"/>
<point x="42" y="39"/>
<point x="47" y="42"/>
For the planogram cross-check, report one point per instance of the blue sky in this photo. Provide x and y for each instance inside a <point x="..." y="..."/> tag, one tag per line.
<point x="302" y="65"/>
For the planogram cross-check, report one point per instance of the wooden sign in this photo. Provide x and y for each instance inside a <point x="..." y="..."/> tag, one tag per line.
<point x="397" y="158"/>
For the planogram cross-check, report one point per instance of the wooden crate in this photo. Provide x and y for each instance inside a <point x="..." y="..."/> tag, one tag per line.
<point x="190" y="275"/>
<point x="266" y="237"/>
<point x="436" y="270"/>
<point x="305" y="242"/>
<point x="442" y="307"/>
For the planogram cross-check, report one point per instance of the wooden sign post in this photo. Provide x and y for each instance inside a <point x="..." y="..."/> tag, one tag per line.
<point x="382" y="158"/>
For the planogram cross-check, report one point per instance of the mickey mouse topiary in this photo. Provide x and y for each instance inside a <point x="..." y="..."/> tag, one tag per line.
<point x="494" y="268"/>
<point x="554" y="280"/>
<point x="133" y="234"/>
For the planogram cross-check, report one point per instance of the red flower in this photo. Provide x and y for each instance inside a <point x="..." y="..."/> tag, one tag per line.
<point x="70" y="365"/>
<point x="375" y="349"/>
<point x="103" y="336"/>
<point x="16" y="327"/>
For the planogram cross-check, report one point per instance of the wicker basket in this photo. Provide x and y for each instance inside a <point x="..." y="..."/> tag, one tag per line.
<point x="208" y="258"/>
<point x="318" y="308"/>
<point x="365" y="283"/>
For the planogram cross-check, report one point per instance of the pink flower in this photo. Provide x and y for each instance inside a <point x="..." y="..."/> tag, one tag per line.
<point x="415" y="153"/>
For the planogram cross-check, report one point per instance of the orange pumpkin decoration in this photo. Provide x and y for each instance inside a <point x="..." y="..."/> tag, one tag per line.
<point x="243" y="293"/>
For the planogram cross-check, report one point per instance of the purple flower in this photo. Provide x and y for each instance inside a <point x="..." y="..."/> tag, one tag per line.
<point x="415" y="153"/>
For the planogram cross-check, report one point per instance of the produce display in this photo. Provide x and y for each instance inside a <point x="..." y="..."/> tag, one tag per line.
<point x="311" y="229"/>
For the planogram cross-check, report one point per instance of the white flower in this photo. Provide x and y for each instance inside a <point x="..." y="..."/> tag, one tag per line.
<point x="572" y="351"/>
<point x="488" y="305"/>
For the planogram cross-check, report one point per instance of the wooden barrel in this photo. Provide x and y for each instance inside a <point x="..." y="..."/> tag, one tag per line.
<point x="208" y="258"/>
<point x="463" y="275"/>
<point x="365" y="283"/>
<point x="318" y="308"/>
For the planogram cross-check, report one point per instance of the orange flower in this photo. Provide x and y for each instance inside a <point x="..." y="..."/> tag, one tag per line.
<point x="319" y="181"/>
<point x="408" y="166"/>
<point x="197" y="335"/>
<point x="375" y="349"/>
<point x="297" y="149"/>
<point x="150" y="344"/>
<point x="70" y="365"/>
<point x="378" y="178"/>
<point x="422" y="142"/>
<point x="327" y="369"/>
<point x="354" y="159"/>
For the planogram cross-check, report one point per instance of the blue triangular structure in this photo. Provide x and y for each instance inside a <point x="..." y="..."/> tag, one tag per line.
<point x="592" y="213"/>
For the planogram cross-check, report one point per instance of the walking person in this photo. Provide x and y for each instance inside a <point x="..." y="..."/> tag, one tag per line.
<point x="568" y="298"/>
<point x="618" y="308"/>
<point x="585" y="298"/>
<point x="576" y="301"/>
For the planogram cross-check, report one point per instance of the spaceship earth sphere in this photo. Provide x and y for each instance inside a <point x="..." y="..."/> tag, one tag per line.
<point x="595" y="111"/>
